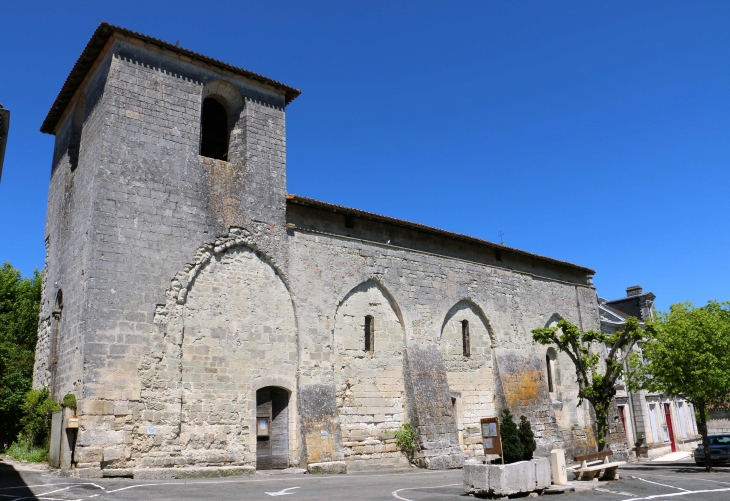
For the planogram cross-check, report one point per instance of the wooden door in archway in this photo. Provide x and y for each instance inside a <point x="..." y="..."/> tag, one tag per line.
<point x="272" y="428"/>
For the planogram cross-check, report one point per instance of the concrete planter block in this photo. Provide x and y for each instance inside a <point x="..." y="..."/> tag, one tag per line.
<point x="515" y="478"/>
<point x="506" y="480"/>
<point x="542" y="473"/>
<point x="329" y="467"/>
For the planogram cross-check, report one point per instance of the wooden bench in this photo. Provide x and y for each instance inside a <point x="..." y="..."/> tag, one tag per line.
<point x="585" y="472"/>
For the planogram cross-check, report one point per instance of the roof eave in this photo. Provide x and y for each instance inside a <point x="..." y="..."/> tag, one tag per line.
<point x="94" y="48"/>
<point x="430" y="229"/>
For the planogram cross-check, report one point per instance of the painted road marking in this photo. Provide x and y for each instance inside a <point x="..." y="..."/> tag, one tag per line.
<point x="627" y="494"/>
<point x="663" y="485"/>
<point x="283" y="491"/>
<point x="677" y="494"/>
<point x="395" y="493"/>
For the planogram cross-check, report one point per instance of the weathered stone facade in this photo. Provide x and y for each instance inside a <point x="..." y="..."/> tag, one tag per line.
<point x="192" y="287"/>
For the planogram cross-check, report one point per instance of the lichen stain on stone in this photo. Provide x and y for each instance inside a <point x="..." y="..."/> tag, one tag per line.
<point x="522" y="389"/>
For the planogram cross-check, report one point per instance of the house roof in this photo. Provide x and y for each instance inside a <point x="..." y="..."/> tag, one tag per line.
<point x="619" y="314"/>
<point x="97" y="43"/>
<point x="296" y="199"/>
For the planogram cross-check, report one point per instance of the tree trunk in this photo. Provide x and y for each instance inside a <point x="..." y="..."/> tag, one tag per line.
<point x="602" y="430"/>
<point x="705" y="441"/>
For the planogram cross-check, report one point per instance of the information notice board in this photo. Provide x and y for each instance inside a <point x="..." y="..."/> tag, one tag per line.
<point x="491" y="439"/>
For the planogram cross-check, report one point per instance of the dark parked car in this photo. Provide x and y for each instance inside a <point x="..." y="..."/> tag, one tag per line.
<point x="719" y="449"/>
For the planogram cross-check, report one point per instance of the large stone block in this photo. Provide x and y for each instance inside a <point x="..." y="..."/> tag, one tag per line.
<point x="557" y="466"/>
<point x="476" y="477"/>
<point x="515" y="478"/>
<point x="542" y="473"/>
<point x="96" y="407"/>
<point x="506" y="480"/>
<point x="329" y="467"/>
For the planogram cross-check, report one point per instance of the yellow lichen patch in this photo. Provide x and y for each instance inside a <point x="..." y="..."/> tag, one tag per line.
<point x="523" y="389"/>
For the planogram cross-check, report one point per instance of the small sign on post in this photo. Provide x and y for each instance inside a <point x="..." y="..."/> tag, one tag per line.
<point x="491" y="440"/>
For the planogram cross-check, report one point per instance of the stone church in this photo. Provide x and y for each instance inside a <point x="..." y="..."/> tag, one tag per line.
<point x="208" y="322"/>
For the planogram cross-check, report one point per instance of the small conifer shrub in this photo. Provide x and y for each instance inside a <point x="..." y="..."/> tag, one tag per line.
<point x="527" y="437"/>
<point x="512" y="449"/>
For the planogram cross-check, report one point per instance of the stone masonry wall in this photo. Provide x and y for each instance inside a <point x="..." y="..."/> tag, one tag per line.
<point x="154" y="202"/>
<point x="239" y="329"/>
<point x="332" y="260"/>
<point x="471" y="378"/>
<point x="370" y="391"/>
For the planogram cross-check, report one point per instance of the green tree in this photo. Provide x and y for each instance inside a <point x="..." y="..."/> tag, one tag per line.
<point x="19" y="310"/>
<point x="599" y="360"/>
<point x="512" y="450"/>
<point x="686" y="354"/>
<point x="527" y="438"/>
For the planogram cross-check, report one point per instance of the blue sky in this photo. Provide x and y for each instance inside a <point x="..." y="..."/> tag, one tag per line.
<point x="593" y="132"/>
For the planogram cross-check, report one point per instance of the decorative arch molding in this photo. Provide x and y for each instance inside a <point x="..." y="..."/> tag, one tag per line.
<point x="386" y="293"/>
<point x="480" y="313"/>
<point x="180" y="285"/>
<point x="554" y="319"/>
<point x="160" y="371"/>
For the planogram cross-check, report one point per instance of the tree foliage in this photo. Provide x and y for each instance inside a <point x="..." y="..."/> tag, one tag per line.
<point x="512" y="449"/>
<point x="599" y="360"/>
<point x="36" y="420"/>
<point x="686" y="354"/>
<point x="527" y="438"/>
<point x="19" y="310"/>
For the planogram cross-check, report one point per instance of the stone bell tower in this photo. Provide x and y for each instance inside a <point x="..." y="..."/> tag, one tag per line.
<point x="158" y="150"/>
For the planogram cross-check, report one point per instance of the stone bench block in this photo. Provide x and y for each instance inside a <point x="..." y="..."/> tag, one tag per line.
<point x="327" y="468"/>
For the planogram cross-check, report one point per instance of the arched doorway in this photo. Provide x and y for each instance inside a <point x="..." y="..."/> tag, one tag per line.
<point x="272" y="428"/>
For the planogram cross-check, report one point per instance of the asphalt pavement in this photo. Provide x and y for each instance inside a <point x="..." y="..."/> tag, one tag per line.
<point x="658" y="481"/>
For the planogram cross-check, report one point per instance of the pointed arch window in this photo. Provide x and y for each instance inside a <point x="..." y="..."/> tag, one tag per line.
<point x="465" y="341"/>
<point x="369" y="334"/>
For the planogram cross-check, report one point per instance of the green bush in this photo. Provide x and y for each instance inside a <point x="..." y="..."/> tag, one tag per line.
<point x="23" y="450"/>
<point x="512" y="449"/>
<point x="69" y="401"/>
<point x="527" y="438"/>
<point x="36" y="420"/>
<point x="405" y="439"/>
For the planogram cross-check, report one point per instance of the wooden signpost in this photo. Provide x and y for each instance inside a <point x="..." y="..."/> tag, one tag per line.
<point x="491" y="440"/>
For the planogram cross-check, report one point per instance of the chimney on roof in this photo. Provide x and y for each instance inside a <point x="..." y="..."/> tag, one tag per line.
<point x="634" y="290"/>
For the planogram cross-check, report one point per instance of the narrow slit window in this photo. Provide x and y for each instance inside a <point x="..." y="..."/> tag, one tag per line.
<point x="214" y="130"/>
<point x="349" y="222"/>
<point x="465" y="342"/>
<point x="369" y="334"/>
<point x="549" y="363"/>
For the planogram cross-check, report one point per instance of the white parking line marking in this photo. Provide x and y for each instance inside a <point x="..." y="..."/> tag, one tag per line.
<point x="703" y="479"/>
<point x="395" y="493"/>
<point x="663" y="485"/>
<point x="52" y="485"/>
<point x="677" y="494"/>
<point x="282" y="492"/>
<point x="627" y="494"/>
